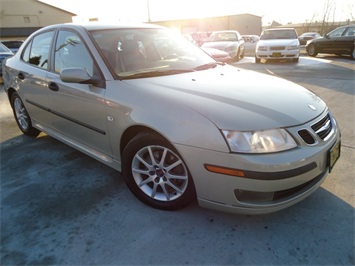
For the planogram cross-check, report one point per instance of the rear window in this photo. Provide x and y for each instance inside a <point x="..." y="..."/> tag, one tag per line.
<point x="3" y="49"/>
<point x="13" y="44"/>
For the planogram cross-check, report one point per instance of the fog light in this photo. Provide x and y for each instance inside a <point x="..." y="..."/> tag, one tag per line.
<point x="253" y="196"/>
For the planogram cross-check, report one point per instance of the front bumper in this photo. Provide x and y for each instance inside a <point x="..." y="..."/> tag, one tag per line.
<point x="278" y="54"/>
<point x="272" y="181"/>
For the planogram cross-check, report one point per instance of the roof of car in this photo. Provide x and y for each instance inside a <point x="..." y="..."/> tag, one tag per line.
<point x="90" y="26"/>
<point x="220" y="31"/>
<point x="309" y="33"/>
<point x="279" y="29"/>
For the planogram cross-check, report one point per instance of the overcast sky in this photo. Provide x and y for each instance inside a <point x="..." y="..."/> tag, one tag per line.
<point x="282" y="11"/>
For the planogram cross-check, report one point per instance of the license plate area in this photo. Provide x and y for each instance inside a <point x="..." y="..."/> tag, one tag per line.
<point x="334" y="154"/>
<point x="276" y="54"/>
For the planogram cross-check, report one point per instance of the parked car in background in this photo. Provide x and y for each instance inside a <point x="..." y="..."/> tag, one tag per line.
<point x="340" y="41"/>
<point x="304" y="37"/>
<point x="279" y="43"/>
<point x="12" y="45"/>
<point x="229" y="41"/>
<point x="4" y="53"/>
<point x="178" y="125"/>
<point x="250" y="42"/>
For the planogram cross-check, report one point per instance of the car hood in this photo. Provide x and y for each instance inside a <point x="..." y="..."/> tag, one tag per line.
<point x="219" y="55"/>
<point x="219" y="45"/>
<point x="236" y="99"/>
<point x="215" y="52"/>
<point x="278" y="42"/>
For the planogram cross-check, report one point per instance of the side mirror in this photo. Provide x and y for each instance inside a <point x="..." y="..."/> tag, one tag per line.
<point x="79" y="75"/>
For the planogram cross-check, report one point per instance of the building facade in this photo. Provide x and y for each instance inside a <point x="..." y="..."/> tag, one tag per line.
<point x="246" y="24"/>
<point x="20" y="18"/>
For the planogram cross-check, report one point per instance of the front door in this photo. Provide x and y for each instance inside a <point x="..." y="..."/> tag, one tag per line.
<point x="79" y="110"/>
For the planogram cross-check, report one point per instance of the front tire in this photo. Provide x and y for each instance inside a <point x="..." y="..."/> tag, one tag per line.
<point x="156" y="174"/>
<point x="311" y="50"/>
<point x="353" y="54"/>
<point x="22" y="117"/>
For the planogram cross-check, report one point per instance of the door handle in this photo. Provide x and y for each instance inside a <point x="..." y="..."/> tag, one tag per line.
<point x="20" y="75"/>
<point x="53" y="86"/>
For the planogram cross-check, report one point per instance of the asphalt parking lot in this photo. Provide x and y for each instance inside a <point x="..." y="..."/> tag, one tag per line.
<point x="60" y="207"/>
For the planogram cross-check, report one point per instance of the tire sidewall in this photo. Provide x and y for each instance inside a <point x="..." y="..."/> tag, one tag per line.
<point x="311" y="50"/>
<point x="137" y="143"/>
<point x="30" y="131"/>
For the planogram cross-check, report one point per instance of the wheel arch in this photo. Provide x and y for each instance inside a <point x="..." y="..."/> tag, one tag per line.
<point x="133" y="131"/>
<point x="9" y="93"/>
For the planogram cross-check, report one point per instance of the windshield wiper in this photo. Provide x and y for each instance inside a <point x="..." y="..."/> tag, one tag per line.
<point x="156" y="73"/>
<point x="208" y="65"/>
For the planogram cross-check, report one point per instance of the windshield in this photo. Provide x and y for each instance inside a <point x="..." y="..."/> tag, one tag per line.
<point x="149" y="52"/>
<point x="278" y="34"/>
<point x="223" y="37"/>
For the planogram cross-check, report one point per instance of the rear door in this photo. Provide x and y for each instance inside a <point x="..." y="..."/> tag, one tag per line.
<point x="31" y="76"/>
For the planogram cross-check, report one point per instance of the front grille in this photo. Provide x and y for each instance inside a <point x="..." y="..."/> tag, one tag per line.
<point x="274" y="48"/>
<point x="323" y="128"/>
<point x="306" y="136"/>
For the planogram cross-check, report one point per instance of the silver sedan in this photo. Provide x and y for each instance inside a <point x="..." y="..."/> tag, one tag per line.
<point x="229" y="41"/>
<point x="178" y="125"/>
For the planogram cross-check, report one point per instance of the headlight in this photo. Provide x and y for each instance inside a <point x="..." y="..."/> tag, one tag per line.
<point x="262" y="48"/>
<point x="292" y="47"/>
<point x="273" y="140"/>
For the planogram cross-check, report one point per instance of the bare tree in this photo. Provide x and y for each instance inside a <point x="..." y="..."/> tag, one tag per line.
<point x="328" y="11"/>
<point x="350" y="9"/>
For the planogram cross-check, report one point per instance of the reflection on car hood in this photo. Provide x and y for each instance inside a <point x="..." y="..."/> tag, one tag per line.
<point x="236" y="99"/>
<point x="218" y="45"/>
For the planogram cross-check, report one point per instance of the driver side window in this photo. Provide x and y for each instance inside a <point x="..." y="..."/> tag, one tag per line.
<point x="70" y="51"/>
<point x="337" y="33"/>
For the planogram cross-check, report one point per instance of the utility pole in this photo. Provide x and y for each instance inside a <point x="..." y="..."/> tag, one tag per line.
<point x="148" y="10"/>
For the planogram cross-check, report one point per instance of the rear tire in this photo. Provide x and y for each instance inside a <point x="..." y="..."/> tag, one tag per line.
<point x="156" y="174"/>
<point x="257" y="60"/>
<point x="353" y="54"/>
<point x="22" y="117"/>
